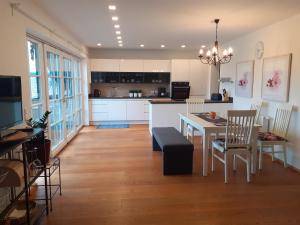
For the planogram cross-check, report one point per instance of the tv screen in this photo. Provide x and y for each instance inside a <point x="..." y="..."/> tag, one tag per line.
<point x="11" y="112"/>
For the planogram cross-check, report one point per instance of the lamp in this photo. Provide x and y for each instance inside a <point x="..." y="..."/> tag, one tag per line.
<point x="212" y="56"/>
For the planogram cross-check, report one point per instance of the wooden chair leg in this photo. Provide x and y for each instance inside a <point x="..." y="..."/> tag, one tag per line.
<point x="260" y="157"/>
<point x="225" y="168"/>
<point x="212" y="159"/>
<point x="273" y="155"/>
<point x="284" y="156"/>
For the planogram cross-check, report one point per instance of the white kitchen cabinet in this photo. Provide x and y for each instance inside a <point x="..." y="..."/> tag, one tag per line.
<point x="135" y="110"/>
<point x="117" y="110"/>
<point x="180" y="70"/>
<point x="157" y="65"/>
<point x="195" y="72"/>
<point x="131" y="65"/>
<point x="199" y="75"/>
<point x="105" y="65"/>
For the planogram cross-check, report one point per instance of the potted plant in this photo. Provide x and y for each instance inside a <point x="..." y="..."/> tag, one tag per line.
<point x="45" y="148"/>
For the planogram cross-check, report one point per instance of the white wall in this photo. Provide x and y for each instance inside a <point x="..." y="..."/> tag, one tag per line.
<point x="13" y="46"/>
<point x="280" y="38"/>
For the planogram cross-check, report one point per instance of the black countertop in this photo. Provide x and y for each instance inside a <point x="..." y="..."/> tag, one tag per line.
<point x="207" y="101"/>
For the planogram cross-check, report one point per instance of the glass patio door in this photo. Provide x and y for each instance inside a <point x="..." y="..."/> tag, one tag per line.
<point x="55" y="96"/>
<point x="68" y="95"/>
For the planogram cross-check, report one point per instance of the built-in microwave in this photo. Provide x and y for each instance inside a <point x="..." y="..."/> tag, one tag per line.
<point x="180" y="90"/>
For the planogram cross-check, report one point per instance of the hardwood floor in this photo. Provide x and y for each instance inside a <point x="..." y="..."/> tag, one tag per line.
<point x="112" y="177"/>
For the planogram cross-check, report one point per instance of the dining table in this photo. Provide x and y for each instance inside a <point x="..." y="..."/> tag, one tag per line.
<point x="208" y="128"/>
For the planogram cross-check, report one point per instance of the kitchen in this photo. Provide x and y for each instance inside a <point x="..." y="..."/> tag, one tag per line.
<point x="141" y="91"/>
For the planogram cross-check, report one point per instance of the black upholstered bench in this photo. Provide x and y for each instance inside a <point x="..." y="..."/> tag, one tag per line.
<point x="177" y="150"/>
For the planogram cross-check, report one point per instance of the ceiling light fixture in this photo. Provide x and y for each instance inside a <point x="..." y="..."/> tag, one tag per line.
<point x="99" y="44"/>
<point x="120" y="41"/>
<point x="112" y="7"/>
<point x="183" y="46"/>
<point x="212" y="57"/>
<point x="119" y="37"/>
<point x="118" y="32"/>
<point x="115" y="18"/>
<point x="203" y="46"/>
<point x="117" y="26"/>
<point x="120" y="45"/>
<point x="162" y="46"/>
<point x="142" y="46"/>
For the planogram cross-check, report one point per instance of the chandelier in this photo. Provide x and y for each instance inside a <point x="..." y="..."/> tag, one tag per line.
<point x="213" y="57"/>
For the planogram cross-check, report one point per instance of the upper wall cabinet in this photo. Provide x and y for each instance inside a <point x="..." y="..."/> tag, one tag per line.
<point x="180" y="70"/>
<point x="107" y="65"/>
<point x="157" y="65"/>
<point x="131" y="65"/>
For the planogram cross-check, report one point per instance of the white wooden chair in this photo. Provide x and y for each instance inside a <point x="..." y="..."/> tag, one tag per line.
<point x="193" y="105"/>
<point x="278" y="134"/>
<point x="256" y="106"/>
<point x="237" y="141"/>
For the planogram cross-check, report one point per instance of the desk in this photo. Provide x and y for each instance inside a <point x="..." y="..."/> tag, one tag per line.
<point x="207" y="129"/>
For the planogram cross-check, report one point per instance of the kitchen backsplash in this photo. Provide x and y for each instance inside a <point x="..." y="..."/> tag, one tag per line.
<point x="120" y="90"/>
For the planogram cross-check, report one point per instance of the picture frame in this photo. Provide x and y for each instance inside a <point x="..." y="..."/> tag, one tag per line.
<point x="276" y="78"/>
<point x="244" y="79"/>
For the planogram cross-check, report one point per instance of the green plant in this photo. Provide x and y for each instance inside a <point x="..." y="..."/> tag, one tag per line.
<point x="41" y="123"/>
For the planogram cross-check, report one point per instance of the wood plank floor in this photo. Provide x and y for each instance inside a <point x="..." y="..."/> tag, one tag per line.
<point x="112" y="177"/>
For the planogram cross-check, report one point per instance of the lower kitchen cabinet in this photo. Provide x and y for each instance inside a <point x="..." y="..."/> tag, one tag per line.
<point x="118" y="110"/>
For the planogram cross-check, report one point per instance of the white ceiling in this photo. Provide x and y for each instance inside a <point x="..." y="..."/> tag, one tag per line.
<point x="168" y="22"/>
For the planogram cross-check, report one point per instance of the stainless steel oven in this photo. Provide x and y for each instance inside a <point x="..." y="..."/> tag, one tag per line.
<point x="180" y="90"/>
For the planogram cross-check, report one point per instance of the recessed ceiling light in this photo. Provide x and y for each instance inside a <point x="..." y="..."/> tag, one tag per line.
<point x="183" y="46"/>
<point x="119" y="37"/>
<point x="112" y="7"/>
<point x="203" y="46"/>
<point x="162" y="46"/>
<point x="99" y="44"/>
<point x="118" y="32"/>
<point x="120" y="45"/>
<point x="142" y="46"/>
<point x="115" y="18"/>
<point x="120" y="41"/>
<point x="117" y="26"/>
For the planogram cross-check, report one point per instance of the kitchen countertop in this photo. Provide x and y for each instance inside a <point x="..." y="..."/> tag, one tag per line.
<point x="127" y="97"/>
<point x="170" y="101"/>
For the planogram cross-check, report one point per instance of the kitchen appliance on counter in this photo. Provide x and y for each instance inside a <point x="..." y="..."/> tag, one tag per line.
<point x="97" y="93"/>
<point x="216" y="97"/>
<point x="161" y="92"/>
<point x="180" y="90"/>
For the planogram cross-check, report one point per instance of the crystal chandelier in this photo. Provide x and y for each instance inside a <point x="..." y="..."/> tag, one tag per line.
<point x="213" y="57"/>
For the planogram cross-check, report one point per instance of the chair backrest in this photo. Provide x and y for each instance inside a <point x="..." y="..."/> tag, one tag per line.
<point x="282" y="120"/>
<point x="195" y="105"/>
<point x="256" y="106"/>
<point x="239" y="128"/>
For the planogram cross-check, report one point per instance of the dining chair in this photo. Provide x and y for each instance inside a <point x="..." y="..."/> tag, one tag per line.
<point x="256" y="106"/>
<point x="277" y="136"/>
<point x="237" y="140"/>
<point x="193" y="105"/>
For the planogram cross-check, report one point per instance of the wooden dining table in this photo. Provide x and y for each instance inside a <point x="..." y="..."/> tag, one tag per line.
<point x="207" y="129"/>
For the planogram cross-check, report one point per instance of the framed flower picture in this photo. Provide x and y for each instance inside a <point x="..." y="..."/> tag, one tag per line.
<point x="244" y="79"/>
<point x="276" y="78"/>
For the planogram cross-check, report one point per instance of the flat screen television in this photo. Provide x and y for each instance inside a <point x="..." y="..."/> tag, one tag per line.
<point x="11" y="113"/>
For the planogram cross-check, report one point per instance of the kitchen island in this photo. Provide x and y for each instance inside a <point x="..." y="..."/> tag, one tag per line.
<point x="165" y="112"/>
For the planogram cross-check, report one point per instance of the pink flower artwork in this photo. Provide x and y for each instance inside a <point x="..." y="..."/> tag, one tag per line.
<point x="275" y="81"/>
<point x="244" y="81"/>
